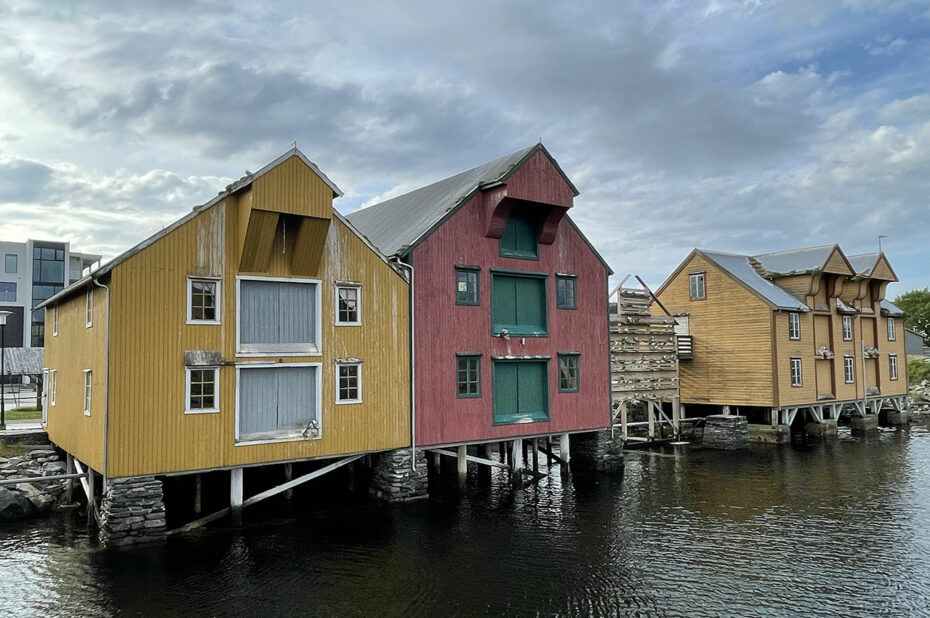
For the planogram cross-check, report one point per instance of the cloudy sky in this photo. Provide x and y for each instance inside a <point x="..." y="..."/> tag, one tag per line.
<point x="734" y="125"/>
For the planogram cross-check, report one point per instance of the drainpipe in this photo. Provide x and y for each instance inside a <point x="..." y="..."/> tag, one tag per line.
<point x="413" y="370"/>
<point x="106" y="390"/>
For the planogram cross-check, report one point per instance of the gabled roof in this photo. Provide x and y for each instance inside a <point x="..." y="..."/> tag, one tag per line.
<point x="800" y="261"/>
<point x="395" y="226"/>
<point x="243" y="183"/>
<point x="740" y="268"/>
<point x="864" y="263"/>
<point x="889" y="308"/>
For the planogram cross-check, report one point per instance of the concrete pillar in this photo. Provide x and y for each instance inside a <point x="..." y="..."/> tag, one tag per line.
<point x="676" y="414"/>
<point x="462" y="467"/>
<point x="198" y="494"/>
<point x="773" y="417"/>
<point x="235" y="494"/>
<point x="516" y="458"/>
<point x="565" y="450"/>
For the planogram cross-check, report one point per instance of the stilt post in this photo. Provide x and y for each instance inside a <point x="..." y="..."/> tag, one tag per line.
<point x="289" y="474"/>
<point x="564" y="448"/>
<point x="91" y="494"/>
<point x="462" y="467"/>
<point x="69" y="486"/>
<point x="536" y="455"/>
<point x="235" y="494"/>
<point x="198" y="494"/>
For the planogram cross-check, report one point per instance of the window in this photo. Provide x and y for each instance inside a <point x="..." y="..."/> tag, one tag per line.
<point x="519" y="237"/>
<point x="203" y="301"/>
<point x="696" y="286"/>
<point x="277" y="402"/>
<point x="88" y="387"/>
<point x="794" y="325"/>
<point x="893" y="366"/>
<point x="52" y="387"/>
<point x="8" y="291"/>
<point x="518" y="304"/>
<point x="202" y="390"/>
<point x="891" y="333"/>
<point x="468" y="376"/>
<point x="847" y="328"/>
<point x="55" y="321"/>
<point x="466" y="286"/>
<point x="849" y="369"/>
<point x="521" y="391"/>
<point x="89" y="307"/>
<point x="565" y="291"/>
<point x="795" y="372"/>
<point x="40" y="293"/>
<point x="277" y="316"/>
<point x="348" y="383"/>
<point x="348" y="305"/>
<point x="568" y="373"/>
<point x="11" y="263"/>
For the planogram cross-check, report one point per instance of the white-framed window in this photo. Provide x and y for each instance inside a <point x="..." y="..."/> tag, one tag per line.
<point x="89" y="307"/>
<point x="55" y="321"/>
<point x="278" y="402"/>
<point x="88" y="388"/>
<point x="277" y="316"/>
<point x="52" y="386"/>
<point x="849" y="369"/>
<point x="893" y="366"/>
<point x="349" y="382"/>
<point x="696" y="286"/>
<point x="202" y="393"/>
<point x="203" y="300"/>
<point x="891" y="333"/>
<point x="847" y="328"/>
<point x="794" y="325"/>
<point x="796" y="372"/>
<point x="348" y="302"/>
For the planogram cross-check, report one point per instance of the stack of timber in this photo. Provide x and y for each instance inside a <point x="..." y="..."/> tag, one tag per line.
<point x="643" y="358"/>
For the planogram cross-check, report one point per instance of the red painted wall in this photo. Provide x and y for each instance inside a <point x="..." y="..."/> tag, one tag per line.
<point x="444" y="328"/>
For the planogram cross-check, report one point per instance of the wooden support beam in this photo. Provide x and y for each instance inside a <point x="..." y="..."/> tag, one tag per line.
<point x="235" y="494"/>
<point x="565" y="449"/>
<point x="623" y="420"/>
<point x="650" y="406"/>
<point x="550" y="455"/>
<point x="536" y="455"/>
<point x="69" y="487"/>
<point x="41" y="479"/>
<point x="516" y="455"/>
<point x="676" y="413"/>
<point x="478" y="460"/>
<point x="289" y="474"/>
<point x="462" y="466"/>
<point x="198" y="494"/>
<point x="548" y="451"/>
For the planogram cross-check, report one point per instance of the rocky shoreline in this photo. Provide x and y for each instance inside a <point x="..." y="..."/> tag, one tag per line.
<point x="919" y="399"/>
<point x="28" y="499"/>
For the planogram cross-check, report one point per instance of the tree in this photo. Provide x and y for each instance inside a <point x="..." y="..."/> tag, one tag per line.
<point x="916" y="304"/>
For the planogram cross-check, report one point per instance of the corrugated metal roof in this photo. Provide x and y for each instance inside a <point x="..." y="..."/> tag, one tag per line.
<point x="889" y="308"/>
<point x="23" y="361"/>
<point x="740" y="267"/>
<point x="795" y="261"/>
<point x="396" y="224"/>
<point x="864" y="263"/>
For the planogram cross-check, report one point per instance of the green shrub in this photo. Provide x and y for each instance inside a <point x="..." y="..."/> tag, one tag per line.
<point x="917" y="371"/>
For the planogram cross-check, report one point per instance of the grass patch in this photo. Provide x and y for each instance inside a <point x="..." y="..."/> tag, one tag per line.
<point x="24" y="414"/>
<point x="12" y="450"/>
<point x="917" y="371"/>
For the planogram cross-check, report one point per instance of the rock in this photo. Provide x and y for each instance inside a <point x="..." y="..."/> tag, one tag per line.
<point x="13" y="505"/>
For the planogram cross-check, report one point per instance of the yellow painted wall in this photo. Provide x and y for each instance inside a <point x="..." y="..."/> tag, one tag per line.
<point x="732" y="340"/>
<point x="886" y="348"/>
<point x="73" y="350"/>
<point x="803" y="348"/>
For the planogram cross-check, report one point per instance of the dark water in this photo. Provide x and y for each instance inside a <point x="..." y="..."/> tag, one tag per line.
<point x="835" y="529"/>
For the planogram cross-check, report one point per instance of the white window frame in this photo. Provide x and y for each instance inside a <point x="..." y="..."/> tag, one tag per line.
<point x="893" y="366"/>
<point x="849" y="369"/>
<point x="796" y="376"/>
<point x="697" y="280"/>
<point x="88" y="391"/>
<point x="352" y="363"/>
<point x="847" y="332"/>
<point x="794" y="326"/>
<point x="52" y="387"/>
<point x="358" y="302"/>
<point x="55" y="321"/>
<point x="187" y="390"/>
<point x="319" y="401"/>
<point x="891" y="329"/>
<point x="190" y="296"/>
<point x="316" y="349"/>
<point x="89" y="306"/>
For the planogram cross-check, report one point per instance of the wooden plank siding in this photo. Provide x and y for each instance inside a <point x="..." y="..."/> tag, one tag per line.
<point x="732" y="339"/>
<point x="444" y="328"/>
<point x="73" y="350"/>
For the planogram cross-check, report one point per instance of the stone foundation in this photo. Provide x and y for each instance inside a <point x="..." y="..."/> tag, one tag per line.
<point x="826" y="429"/>
<point x="780" y="434"/>
<point x="394" y="479"/>
<point x="897" y="418"/>
<point x="596" y="450"/>
<point x="132" y="511"/>
<point x="863" y="423"/>
<point x="726" y="432"/>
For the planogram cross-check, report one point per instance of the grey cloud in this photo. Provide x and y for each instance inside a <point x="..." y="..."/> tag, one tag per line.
<point x="22" y="181"/>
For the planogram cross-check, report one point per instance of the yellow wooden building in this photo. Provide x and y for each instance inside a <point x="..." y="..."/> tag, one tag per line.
<point x="799" y="335"/>
<point x="260" y="328"/>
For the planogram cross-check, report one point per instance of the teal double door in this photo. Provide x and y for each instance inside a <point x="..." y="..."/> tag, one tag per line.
<point x="521" y="391"/>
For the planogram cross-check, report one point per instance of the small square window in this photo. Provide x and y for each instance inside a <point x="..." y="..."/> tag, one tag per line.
<point x="348" y="383"/>
<point x="202" y="390"/>
<point x="348" y="305"/>
<point x="891" y="329"/>
<point x="88" y="388"/>
<point x="893" y="366"/>
<point x="466" y="286"/>
<point x="203" y="301"/>
<point x="696" y="285"/>
<point x="10" y="263"/>
<point x="565" y="292"/>
<point x="468" y="376"/>
<point x="847" y="328"/>
<point x="89" y="307"/>
<point x="568" y="373"/>
<point x="794" y="326"/>
<point x="796" y="372"/>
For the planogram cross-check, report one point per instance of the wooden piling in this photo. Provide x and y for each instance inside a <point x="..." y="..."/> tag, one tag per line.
<point x="536" y="455"/>
<point x="198" y="494"/>
<point x="289" y="474"/>
<point x="69" y="486"/>
<point x="235" y="494"/>
<point x="463" y="466"/>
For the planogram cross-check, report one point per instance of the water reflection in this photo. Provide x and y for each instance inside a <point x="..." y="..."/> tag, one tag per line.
<point x="837" y="528"/>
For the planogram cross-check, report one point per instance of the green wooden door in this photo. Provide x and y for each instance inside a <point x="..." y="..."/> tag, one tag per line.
<point x="521" y="392"/>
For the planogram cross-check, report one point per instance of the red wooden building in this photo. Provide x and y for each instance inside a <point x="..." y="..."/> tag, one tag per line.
<point x="510" y="303"/>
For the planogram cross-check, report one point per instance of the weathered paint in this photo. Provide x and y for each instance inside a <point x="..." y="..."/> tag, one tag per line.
<point x="444" y="328"/>
<point x="149" y="431"/>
